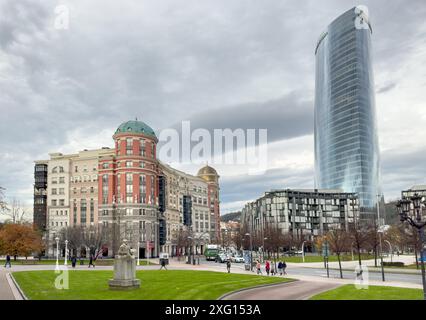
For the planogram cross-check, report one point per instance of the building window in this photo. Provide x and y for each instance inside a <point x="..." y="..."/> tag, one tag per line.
<point x="54" y="191"/>
<point x="105" y="189"/>
<point x="61" y="179"/>
<point x="75" y="212"/>
<point x="92" y="210"/>
<point x="129" y="164"/>
<point x="152" y="190"/>
<point x="61" y="202"/>
<point x="83" y="211"/>
<point x="142" y="188"/>
<point x="54" y="180"/>
<point x="142" y="147"/>
<point x="61" y="191"/>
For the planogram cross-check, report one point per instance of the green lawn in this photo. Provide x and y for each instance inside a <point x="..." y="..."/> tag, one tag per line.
<point x="299" y="259"/>
<point x="349" y="292"/>
<point x="155" y="284"/>
<point x="99" y="262"/>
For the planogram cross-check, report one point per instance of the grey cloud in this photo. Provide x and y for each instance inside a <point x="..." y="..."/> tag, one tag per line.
<point x="284" y="118"/>
<point x="386" y="87"/>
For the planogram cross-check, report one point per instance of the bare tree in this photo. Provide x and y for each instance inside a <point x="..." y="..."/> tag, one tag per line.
<point x="3" y="203"/>
<point x="359" y="236"/>
<point x="74" y="235"/>
<point x="96" y="238"/>
<point x="372" y="242"/>
<point x="237" y="239"/>
<point x="14" y="212"/>
<point x="338" y="240"/>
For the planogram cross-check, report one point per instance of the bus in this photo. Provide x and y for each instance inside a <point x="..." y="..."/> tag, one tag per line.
<point x="211" y="252"/>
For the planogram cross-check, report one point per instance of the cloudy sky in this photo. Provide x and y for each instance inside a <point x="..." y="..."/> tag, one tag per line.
<point x="219" y="64"/>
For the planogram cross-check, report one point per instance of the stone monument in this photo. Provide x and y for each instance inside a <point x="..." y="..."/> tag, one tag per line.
<point x="124" y="269"/>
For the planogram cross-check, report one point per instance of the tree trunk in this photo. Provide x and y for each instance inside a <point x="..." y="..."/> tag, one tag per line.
<point x="340" y="265"/>
<point x="359" y="255"/>
<point x="375" y="256"/>
<point x="417" y="260"/>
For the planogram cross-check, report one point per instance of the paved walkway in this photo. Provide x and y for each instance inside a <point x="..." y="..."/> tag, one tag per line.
<point x="406" y="259"/>
<point x="297" y="290"/>
<point x="5" y="290"/>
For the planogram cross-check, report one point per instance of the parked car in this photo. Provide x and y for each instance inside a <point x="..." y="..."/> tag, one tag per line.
<point x="222" y="258"/>
<point x="238" y="259"/>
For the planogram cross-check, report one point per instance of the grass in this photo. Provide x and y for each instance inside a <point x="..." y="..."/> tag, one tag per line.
<point x="99" y="262"/>
<point x="155" y="285"/>
<point x="350" y="292"/>
<point x="299" y="259"/>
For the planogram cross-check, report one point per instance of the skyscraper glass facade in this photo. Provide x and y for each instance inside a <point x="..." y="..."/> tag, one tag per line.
<point x="346" y="142"/>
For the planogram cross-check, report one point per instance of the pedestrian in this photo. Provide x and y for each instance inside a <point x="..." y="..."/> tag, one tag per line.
<point x="267" y="267"/>
<point x="228" y="266"/>
<point x="280" y="267"/>
<point x="73" y="261"/>
<point x="273" y="269"/>
<point x="284" y="267"/>
<point x="8" y="262"/>
<point x="258" y="267"/>
<point x="91" y="261"/>
<point x="163" y="264"/>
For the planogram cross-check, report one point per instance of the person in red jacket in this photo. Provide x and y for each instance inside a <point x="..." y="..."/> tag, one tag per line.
<point x="267" y="267"/>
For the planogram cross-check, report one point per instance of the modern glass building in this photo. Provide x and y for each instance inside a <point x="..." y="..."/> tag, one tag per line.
<point x="346" y="142"/>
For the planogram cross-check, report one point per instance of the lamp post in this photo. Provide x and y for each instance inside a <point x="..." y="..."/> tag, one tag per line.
<point x="263" y="248"/>
<point x="390" y="248"/>
<point x="303" y="251"/>
<point x="66" y="252"/>
<point x="251" y="251"/>
<point x="404" y="208"/>
<point x="57" y="253"/>
<point x="380" y="231"/>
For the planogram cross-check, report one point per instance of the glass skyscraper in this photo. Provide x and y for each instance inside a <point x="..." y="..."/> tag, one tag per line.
<point x="346" y="142"/>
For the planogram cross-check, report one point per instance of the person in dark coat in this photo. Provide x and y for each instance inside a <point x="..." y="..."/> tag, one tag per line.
<point x="163" y="264"/>
<point x="228" y="266"/>
<point x="8" y="262"/>
<point x="91" y="261"/>
<point x="73" y="261"/>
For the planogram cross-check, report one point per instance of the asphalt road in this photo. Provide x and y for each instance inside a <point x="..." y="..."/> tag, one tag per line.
<point x="322" y="273"/>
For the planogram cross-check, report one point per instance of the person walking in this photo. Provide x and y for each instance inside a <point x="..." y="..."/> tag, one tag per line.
<point x="272" y="268"/>
<point x="163" y="264"/>
<point x="91" y="261"/>
<point x="284" y="267"/>
<point x="267" y="267"/>
<point x="228" y="266"/>
<point x="280" y="267"/>
<point x="258" y="267"/>
<point x="73" y="261"/>
<point x="8" y="262"/>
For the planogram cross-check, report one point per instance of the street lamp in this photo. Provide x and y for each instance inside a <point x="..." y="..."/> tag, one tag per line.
<point x="390" y="248"/>
<point x="57" y="253"/>
<point x="415" y="220"/>
<point x="66" y="252"/>
<point x="380" y="231"/>
<point x="251" y="251"/>
<point x="303" y="251"/>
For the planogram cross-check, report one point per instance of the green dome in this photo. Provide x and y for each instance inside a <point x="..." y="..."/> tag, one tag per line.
<point x="135" y="126"/>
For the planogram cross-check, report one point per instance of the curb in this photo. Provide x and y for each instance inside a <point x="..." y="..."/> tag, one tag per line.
<point x="255" y="287"/>
<point x="12" y="282"/>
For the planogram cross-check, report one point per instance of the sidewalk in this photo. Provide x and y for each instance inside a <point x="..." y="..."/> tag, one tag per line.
<point x="5" y="290"/>
<point x="351" y="265"/>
